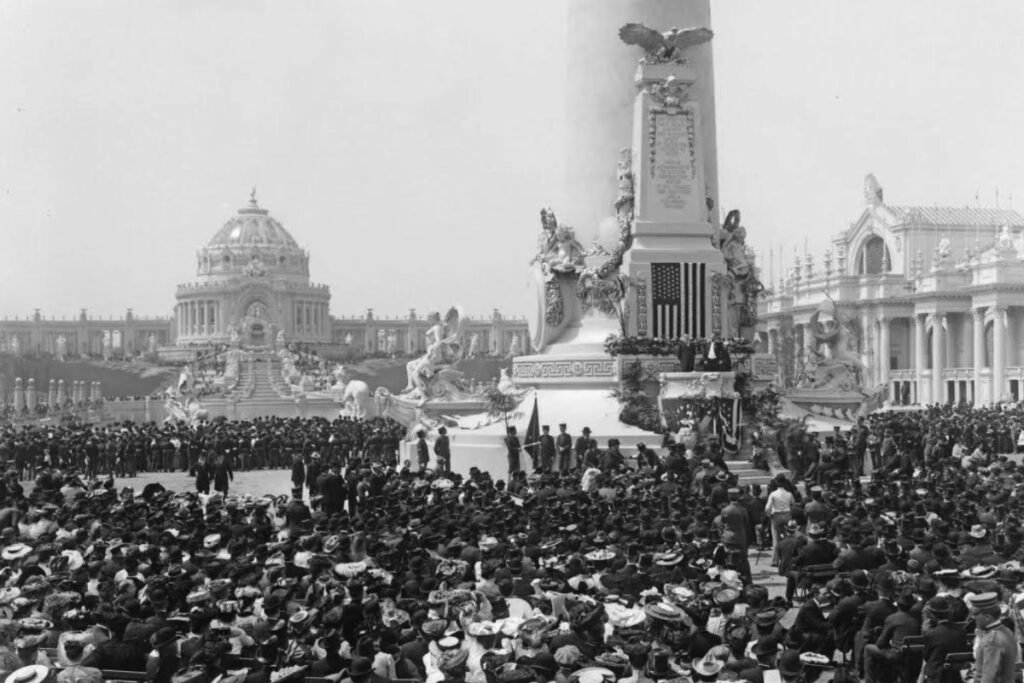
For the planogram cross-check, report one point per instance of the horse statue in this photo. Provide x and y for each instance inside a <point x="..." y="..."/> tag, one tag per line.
<point x="354" y="395"/>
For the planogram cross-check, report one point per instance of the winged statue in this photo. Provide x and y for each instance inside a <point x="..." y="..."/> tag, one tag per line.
<point x="664" y="47"/>
<point x="444" y="350"/>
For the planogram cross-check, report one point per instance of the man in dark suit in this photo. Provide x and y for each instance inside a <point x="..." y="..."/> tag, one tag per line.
<point x="443" y="451"/>
<point x="875" y="613"/>
<point x="886" y="652"/>
<point x="563" y="443"/>
<point x="735" y="523"/>
<point x="816" y="510"/>
<point x="546" y="444"/>
<point x="944" y="638"/>
<point x="811" y="622"/>
<point x="583" y="445"/>
<point x="819" y="550"/>
<point x="422" y="450"/>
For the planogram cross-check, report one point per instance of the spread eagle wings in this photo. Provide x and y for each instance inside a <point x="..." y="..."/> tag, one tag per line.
<point x="652" y="40"/>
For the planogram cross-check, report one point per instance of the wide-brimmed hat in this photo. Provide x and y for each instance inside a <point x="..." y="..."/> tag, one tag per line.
<point x="592" y="674"/>
<point x="211" y="541"/>
<point x="361" y="666"/>
<point x="980" y="571"/>
<point x="707" y="666"/>
<point x="663" y="611"/>
<point x="767" y="617"/>
<point x="939" y="606"/>
<point x="765" y="645"/>
<point x="815" y="659"/>
<point x="163" y="637"/>
<point x="15" y="551"/>
<point x="978" y="531"/>
<point x="33" y="673"/>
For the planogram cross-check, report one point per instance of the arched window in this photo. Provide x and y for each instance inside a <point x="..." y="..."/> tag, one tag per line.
<point x="874" y="258"/>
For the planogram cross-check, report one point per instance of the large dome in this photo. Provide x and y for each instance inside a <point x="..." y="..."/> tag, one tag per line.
<point x="253" y="227"/>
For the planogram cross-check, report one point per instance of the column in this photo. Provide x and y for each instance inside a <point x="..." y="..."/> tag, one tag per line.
<point x="998" y="354"/>
<point x="771" y="341"/>
<point x="978" y="351"/>
<point x="810" y="346"/>
<point x="883" y="352"/>
<point x="919" y="356"/>
<point x="938" y="360"/>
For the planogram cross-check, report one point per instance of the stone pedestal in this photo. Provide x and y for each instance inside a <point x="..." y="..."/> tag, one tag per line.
<point x="678" y="272"/>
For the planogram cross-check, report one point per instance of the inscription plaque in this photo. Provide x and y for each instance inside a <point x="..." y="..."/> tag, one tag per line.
<point x="673" y="168"/>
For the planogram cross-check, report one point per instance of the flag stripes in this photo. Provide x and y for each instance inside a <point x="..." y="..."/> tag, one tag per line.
<point x="678" y="300"/>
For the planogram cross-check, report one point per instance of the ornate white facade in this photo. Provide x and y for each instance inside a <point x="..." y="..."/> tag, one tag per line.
<point x="934" y="297"/>
<point x="252" y="284"/>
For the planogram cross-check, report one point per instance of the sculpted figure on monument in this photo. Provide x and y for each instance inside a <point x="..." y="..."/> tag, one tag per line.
<point x="746" y="288"/>
<point x="669" y="46"/>
<point x="443" y="352"/>
<point x="558" y="250"/>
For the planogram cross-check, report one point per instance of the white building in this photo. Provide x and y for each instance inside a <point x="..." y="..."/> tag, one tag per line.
<point x="934" y="297"/>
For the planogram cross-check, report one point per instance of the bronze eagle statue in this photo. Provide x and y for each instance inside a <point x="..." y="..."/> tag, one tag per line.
<point x="665" y="47"/>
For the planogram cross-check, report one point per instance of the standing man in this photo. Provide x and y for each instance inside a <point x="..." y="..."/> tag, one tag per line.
<point x="202" y="475"/>
<point x="443" y="451"/>
<point x="735" y="524"/>
<point x="298" y="471"/>
<point x="583" y="445"/>
<point x="547" y="449"/>
<point x="995" y="651"/>
<point x="563" y="443"/>
<point x="512" y="448"/>
<point x="422" y="450"/>
<point x="222" y="475"/>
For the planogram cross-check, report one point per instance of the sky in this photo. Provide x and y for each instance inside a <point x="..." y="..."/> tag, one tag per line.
<point x="408" y="145"/>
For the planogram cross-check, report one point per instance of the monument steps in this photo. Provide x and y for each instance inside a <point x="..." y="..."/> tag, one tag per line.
<point x="277" y="383"/>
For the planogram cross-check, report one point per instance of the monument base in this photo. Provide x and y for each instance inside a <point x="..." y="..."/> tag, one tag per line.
<point x="586" y="406"/>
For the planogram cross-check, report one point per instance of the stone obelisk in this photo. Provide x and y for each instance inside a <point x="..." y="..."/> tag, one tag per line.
<point x="599" y="102"/>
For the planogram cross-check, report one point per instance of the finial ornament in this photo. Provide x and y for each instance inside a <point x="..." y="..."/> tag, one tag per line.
<point x="252" y="196"/>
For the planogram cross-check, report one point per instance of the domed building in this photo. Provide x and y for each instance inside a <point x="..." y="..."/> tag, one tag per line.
<point x="252" y="286"/>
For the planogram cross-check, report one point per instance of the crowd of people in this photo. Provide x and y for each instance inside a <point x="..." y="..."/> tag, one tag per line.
<point x="127" y="448"/>
<point x="611" y="569"/>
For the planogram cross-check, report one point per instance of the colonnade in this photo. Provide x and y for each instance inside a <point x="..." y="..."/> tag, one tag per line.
<point x="311" y="317"/>
<point x="199" y="317"/>
<point x="942" y="361"/>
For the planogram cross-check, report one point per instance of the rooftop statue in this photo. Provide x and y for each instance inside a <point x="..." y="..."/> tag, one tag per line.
<point x="664" y="47"/>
